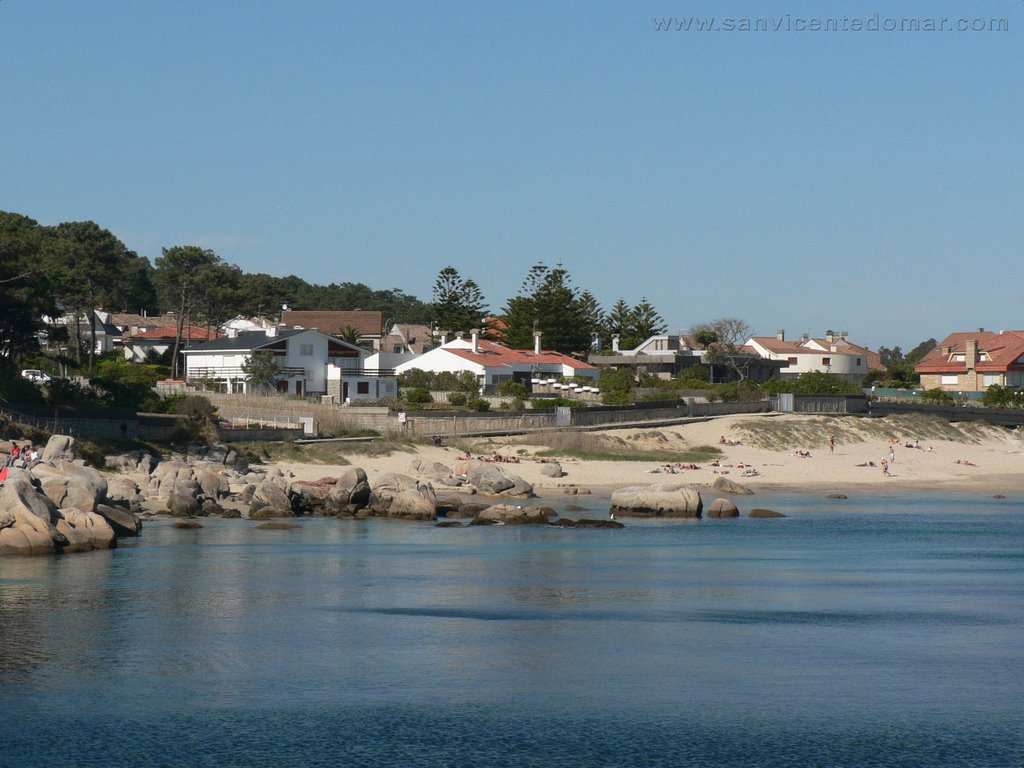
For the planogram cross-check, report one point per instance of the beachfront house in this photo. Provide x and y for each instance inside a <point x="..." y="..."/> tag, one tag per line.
<point x="972" y="361"/>
<point x="667" y="356"/>
<point x="834" y="353"/>
<point x="306" y="362"/>
<point x="493" y="363"/>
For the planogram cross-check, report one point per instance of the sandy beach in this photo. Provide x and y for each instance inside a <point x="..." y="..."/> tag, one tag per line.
<point x="765" y="455"/>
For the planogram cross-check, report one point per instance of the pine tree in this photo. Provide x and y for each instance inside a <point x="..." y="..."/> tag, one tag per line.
<point x="549" y="304"/>
<point x="458" y="303"/>
<point x="646" y="321"/>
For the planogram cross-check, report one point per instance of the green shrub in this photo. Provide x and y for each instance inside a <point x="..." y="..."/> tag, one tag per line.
<point x="457" y="398"/>
<point x="418" y="395"/>
<point x="512" y="389"/>
<point x="1003" y="397"/>
<point x="937" y="396"/>
<point x="479" y="404"/>
<point x="616" y="385"/>
<point x="200" y="413"/>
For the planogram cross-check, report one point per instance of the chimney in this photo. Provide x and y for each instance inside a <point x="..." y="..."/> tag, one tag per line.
<point x="947" y="351"/>
<point x="595" y="343"/>
<point x="844" y="335"/>
<point x="615" y="343"/>
<point x="271" y="331"/>
<point x="444" y="337"/>
<point x="971" y="356"/>
<point x="830" y="335"/>
<point x="804" y="337"/>
<point x="475" y="335"/>
<point x="459" y="335"/>
<point x="232" y="332"/>
<point x="536" y="342"/>
<point x="781" y="334"/>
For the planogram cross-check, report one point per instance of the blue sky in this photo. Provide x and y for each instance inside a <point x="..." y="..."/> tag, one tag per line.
<point x="863" y="181"/>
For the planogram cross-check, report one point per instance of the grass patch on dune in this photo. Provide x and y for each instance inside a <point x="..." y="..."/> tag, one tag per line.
<point x="786" y="433"/>
<point x="322" y="453"/>
<point x="592" y="446"/>
<point x="691" y="455"/>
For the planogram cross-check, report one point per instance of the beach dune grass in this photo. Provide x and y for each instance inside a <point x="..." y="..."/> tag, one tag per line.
<point x="781" y="434"/>
<point x="328" y="452"/>
<point x="593" y="446"/>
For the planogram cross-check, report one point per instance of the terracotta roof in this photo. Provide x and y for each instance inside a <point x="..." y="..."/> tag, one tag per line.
<point x="773" y="344"/>
<point x="365" y="322"/>
<point x="168" y="332"/>
<point x="996" y="352"/>
<point x="492" y="354"/>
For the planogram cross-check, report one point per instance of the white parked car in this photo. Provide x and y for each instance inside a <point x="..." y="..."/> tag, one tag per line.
<point x="34" y="374"/>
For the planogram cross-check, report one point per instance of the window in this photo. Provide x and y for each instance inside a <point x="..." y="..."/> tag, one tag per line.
<point x="792" y="361"/>
<point x="858" y="362"/>
<point x="949" y="379"/>
<point x="362" y="387"/>
<point x="992" y="378"/>
<point x="826" y="361"/>
<point x="305" y="350"/>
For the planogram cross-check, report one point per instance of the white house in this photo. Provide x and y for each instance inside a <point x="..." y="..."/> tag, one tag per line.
<point x="493" y="363"/>
<point x="833" y="354"/>
<point x="309" y="362"/>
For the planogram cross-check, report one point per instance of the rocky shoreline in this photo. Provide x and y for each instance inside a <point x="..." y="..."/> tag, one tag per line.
<point x="61" y="505"/>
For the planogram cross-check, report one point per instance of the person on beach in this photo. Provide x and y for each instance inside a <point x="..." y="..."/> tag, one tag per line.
<point x="831" y="443"/>
<point x="892" y="454"/>
<point x="885" y="468"/>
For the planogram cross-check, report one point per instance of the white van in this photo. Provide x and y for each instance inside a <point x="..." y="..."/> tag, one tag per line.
<point x="34" y="374"/>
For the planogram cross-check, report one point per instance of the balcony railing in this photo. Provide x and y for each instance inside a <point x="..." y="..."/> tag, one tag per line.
<point x="236" y="372"/>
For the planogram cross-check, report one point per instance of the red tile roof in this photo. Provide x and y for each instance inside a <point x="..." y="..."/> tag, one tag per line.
<point x="168" y="332"/>
<point x="492" y="354"/>
<point x="997" y="352"/>
<point x="775" y="345"/>
<point x="843" y="347"/>
<point x="365" y="322"/>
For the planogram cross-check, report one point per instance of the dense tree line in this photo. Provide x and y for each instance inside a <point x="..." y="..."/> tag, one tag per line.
<point x="73" y="267"/>
<point x="76" y="266"/>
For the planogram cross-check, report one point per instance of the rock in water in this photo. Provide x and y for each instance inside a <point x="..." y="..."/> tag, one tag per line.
<point x="513" y="514"/>
<point x="764" y="513"/>
<point x="657" y="500"/>
<point x="723" y="508"/>
<point x="121" y="520"/>
<point x="492" y="480"/>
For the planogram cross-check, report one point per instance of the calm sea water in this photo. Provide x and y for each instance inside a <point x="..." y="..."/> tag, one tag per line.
<point x="851" y="633"/>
